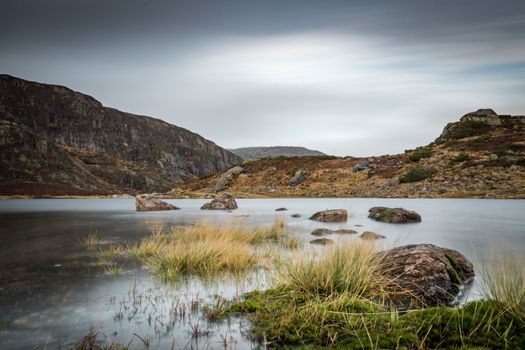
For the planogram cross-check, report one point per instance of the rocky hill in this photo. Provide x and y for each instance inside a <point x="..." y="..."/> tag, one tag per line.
<point x="247" y="153"/>
<point x="55" y="141"/>
<point x="480" y="156"/>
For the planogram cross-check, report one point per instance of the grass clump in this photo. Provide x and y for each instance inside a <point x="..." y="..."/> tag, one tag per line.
<point x="460" y="158"/>
<point x="420" y="153"/>
<point x="417" y="173"/>
<point x="90" y="241"/>
<point x="504" y="282"/>
<point x="208" y="250"/>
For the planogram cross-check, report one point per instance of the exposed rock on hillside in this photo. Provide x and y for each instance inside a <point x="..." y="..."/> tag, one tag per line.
<point x="64" y="142"/>
<point x="425" y="275"/>
<point x="248" y="153"/>
<point x="298" y="178"/>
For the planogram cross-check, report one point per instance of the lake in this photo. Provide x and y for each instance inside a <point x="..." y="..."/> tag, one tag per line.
<point x="52" y="292"/>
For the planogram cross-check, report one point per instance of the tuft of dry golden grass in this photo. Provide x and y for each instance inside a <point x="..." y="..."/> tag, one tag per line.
<point x="208" y="250"/>
<point x="503" y="280"/>
<point x="90" y="241"/>
<point x="350" y="268"/>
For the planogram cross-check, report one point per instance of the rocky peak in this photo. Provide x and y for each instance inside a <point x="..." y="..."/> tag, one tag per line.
<point x="486" y="116"/>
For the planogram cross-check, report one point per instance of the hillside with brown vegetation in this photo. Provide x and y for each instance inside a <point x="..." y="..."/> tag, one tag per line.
<point x="480" y="156"/>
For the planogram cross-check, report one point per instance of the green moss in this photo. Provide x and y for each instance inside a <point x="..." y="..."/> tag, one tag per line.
<point x="281" y="319"/>
<point x="415" y="174"/>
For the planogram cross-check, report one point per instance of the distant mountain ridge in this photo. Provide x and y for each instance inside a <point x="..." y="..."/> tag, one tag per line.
<point x="56" y="141"/>
<point x="247" y="153"/>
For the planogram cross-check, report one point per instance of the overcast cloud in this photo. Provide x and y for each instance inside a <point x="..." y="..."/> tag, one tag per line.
<point x="343" y="77"/>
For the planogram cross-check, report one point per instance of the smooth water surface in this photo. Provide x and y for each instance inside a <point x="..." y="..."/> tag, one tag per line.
<point x="50" y="293"/>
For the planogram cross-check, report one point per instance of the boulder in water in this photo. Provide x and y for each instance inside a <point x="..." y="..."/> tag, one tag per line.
<point x="147" y="202"/>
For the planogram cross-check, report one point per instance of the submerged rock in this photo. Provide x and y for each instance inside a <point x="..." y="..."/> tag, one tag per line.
<point x="281" y="209"/>
<point x="146" y="202"/>
<point x="322" y="241"/>
<point x="369" y="235"/>
<point x="321" y="232"/>
<point x="295" y="216"/>
<point x="393" y="215"/>
<point x="222" y="202"/>
<point x="326" y="232"/>
<point x="424" y="274"/>
<point x="298" y="178"/>
<point x="332" y="215"/>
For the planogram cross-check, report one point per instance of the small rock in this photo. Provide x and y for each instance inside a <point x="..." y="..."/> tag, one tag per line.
<point x="295" y="215"/>
<point x="393" y="215"/>
<point x="223" y="202"/>
<point x="369" y="235"/>
<point x="360" y="167"/>
<point x="346" y="232"/>
<point x="281" y="209"/>
<point x="146" y="202"/>
<point x="332" y="215"/>
<point x="322" y="241"/>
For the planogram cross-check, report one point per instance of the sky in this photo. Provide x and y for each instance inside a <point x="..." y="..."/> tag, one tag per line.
<point x="348" y="77"/>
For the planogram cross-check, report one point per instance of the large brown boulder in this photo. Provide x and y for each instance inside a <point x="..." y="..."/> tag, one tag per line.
<point x="332" y="215"/>
<point x="393" y="215"/>
<point x="222" y="202"/>
<point x="145" y="202"/>
<point x="423" y="275"/>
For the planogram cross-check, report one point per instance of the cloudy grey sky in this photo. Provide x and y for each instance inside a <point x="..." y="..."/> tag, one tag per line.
<point x="344" y="77"/>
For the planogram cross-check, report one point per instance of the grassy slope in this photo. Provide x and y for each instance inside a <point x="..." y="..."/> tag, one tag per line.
<point x="475" y="162"/>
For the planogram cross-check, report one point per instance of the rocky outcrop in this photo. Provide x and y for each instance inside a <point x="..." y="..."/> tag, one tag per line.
<point x="424" y="274"/>
<point x="393" y="215"/>
<point x="225" y="180"/>
<point x="248" y="153"/>
<point x="298" y="178"/>
<point x="147" y="202"/>
<point x="369" y="236"/>
<point x="55" y="136"/>
<point x="332" y="215"/>
<point x="486" y="116"/>
<point x="223" y="202"/>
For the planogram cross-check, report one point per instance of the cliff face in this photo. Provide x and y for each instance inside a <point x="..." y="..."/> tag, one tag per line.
<point x="482" y="156"/>
<point x="248" y="153"/>
<point x="53" y="137"/>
